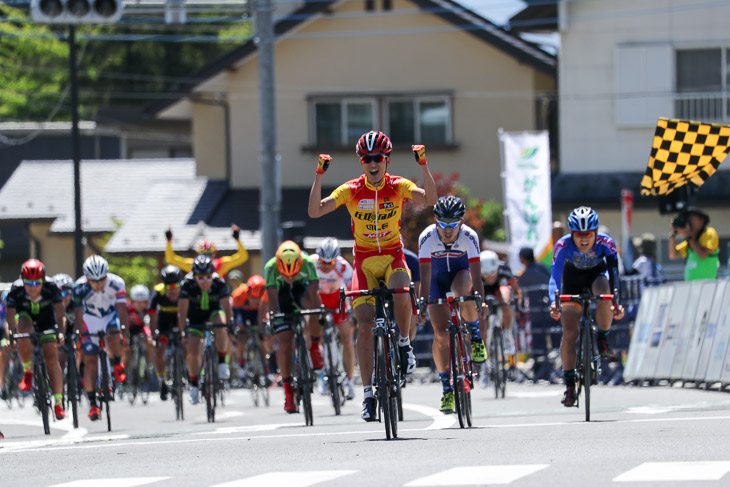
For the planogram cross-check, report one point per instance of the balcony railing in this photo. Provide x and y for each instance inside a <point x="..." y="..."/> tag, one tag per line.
<point x="704" y="107"/>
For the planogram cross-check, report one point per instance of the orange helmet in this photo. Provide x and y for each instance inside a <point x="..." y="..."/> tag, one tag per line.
<point x="206" y="247"/>
<point x="289" y="258"/>
<point x="256" y="285"/>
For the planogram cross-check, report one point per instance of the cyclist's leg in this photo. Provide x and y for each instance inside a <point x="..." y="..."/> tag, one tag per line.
<point x="604" y="315"/>
<point x="25" y="345"/>
<point x="55" y="374"/>
<point x="569" y="319"/>
<point x="462" y="286"/>
<point x="159" y="359"/>
<point x="285" y="338"/>
<point x="194" y="346"/>
<point x="310" y="299"/>
<point x="365" y="314"/>
<point x="402" y="302"/>
<point x="115" y="348"/>
<point x="221" y="343"/>
<point x="347" y="333"/>
<point x="90" y="347"/>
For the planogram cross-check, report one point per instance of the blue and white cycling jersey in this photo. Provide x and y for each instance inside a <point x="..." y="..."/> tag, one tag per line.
<point x="567" y="254"/>
<point x="100" y="305"/>
<point x="454" y="257"/>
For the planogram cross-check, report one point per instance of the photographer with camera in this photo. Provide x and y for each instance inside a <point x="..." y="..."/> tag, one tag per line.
<point x="700" y="246"/>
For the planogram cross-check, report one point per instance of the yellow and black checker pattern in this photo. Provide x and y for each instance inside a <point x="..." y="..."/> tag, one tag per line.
<point x="684" y="152"/>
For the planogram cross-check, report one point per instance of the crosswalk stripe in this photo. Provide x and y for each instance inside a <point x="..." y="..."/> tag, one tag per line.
<point x="297" y="479"/>
<point x="675" y="471"/>
<point x="485" y="475"/>
<point x="123" y="482"/>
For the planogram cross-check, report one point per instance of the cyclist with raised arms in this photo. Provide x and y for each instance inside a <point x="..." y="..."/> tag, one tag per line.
<point x="162" y="310"/>
<point x="498" y="281"/>
<point x="581" y="260"/>
<point x="292" y="283"/>
<point x="375" y="201"/>
<point x="34" y="301"/>
<point x="100" y="304"/>
<point x="448" y="252"/>
<point x="222" y="265"/>
<point x="204" y="298"/>
<point x="335" y="272"/>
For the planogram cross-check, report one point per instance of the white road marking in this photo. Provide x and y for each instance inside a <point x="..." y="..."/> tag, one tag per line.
<point x="675" y="471"/>
<point x="298" y="479"/>
<point x="440" y="420"/>
<point x="486" y="475"/>
<point x="245" y="429"/>
<point x="123" y="482"/>
<point x="666" y="408"/>
<point x="531" y="394"/>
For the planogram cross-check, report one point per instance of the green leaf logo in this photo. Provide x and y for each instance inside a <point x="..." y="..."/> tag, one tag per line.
<point x="528" y="153"/>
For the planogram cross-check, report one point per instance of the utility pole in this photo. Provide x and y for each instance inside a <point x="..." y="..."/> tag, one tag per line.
<point x="270" y="196"/>
<point x="75" y="152"/>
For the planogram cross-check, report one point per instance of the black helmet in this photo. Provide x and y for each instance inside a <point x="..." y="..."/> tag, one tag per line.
<point x="171" y="274"/>
<point x="449" y="208"/>
<point x="203" y="265"/>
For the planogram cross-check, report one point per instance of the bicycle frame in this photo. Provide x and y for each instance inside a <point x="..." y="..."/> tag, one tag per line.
<point x="41" y="384"/>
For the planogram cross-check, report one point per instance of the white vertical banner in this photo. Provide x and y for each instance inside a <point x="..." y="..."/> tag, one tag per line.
<point x="526" y="184"/>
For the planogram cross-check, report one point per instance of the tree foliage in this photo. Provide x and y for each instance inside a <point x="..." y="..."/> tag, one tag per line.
<point x="485" y="217"/>
<point x="111" y="73"/>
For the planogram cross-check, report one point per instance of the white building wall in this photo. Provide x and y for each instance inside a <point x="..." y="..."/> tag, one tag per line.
<point x="607" y="114"/>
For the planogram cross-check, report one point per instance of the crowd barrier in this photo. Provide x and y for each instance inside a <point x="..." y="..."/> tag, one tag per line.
<point x="681" y="333"/>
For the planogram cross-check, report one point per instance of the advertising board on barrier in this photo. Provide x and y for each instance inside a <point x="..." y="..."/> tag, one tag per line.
<point x="641" y="333"/>
<point x="667" y="343"/>
<point x="714" y="334"/>
<point x="691" y="343"/>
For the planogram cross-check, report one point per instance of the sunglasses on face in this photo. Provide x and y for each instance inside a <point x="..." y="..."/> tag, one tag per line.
<point x="445" y="225"/>
<point x="373" y="158"/>
<point x="204" y="278"/>
<point x="65" y="294"/>
<point x="174" y="285"/>
<point x="33" y="282"/>
<point x="583" y="234"/>
<point x="327" y="262"/>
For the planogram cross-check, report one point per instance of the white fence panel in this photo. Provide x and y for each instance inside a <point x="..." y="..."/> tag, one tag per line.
<point x="682" y="333"/>
<point x="641" y="333"/>
<point x="659" y="324"/>
<point x="713" y="332"/>
<point x="696" y="334"/>
<point x="668" y="343"/>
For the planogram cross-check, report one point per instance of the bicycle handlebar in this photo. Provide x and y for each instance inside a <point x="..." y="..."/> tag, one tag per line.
<point x="383" y="292"/>
<point x="583" y="298"/>
<point x="455" y="299"/>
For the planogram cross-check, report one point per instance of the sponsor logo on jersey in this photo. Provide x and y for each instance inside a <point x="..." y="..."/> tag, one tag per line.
<point x="377" y="235"/>
<point x="366" y="204"/>
<point x="384" y="206"/>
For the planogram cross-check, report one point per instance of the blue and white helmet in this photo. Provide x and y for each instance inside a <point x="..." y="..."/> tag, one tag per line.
<point x="582" y="219"/>
<point x="96" y="267"/>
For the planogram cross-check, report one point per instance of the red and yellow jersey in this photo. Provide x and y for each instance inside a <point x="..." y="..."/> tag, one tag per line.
<point x="375" y="211"/>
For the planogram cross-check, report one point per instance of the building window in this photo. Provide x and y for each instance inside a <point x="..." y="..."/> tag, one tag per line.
<point x="702" y="80"/>
<point x="406" y="119"/>
<point x="342" y="122"/>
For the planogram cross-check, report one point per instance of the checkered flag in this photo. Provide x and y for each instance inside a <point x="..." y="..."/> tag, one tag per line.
<point x="684" y="152"/>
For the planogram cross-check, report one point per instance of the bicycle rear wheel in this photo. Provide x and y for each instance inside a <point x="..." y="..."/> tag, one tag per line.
<point x="333" y="374"/>
<point x="382" y="385"/>
<point x="394" y="384"/>
<point x="500" y="382"/>
<point x="400" y="375"/>
<point x="41" y="393"/>
<point x="468" y="382"/>
<point x="587" y="353"/>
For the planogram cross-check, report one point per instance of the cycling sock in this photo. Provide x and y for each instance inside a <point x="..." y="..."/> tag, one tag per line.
<point x="222" y="358"/>
<point x="27" y="366"/>
<point x="315" y="339"/>
<point x="476" y="335"/>
<point x="92" y="398"/>
<point x="367" y="391"/>
<point x="445" y="381"/>
<point x="604" y="333"/>
<point x="569" y="376"/>
<point x="194" y="381"/>
<point x="58" y="398"/>
<point x="287" y="380"/>
<point x="116" y="360"/>
<point x="404" y="341"/>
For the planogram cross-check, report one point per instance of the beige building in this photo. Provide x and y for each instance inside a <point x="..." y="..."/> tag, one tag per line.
<point x="426" y="72"/>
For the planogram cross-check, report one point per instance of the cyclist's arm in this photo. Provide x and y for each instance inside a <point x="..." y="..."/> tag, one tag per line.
<point x="184" y="263"/>
<point x="273" y="294"/>
<point x="313" y="294"/>
<point x="154" y="319"/>
<point x="318" y="206"/>
<point x="232" y="261"/>
<point x="427" y="195"/>
<point x="475" y="270"/>
<point x="12" y="325"/>
<point x="425" y="269"/>
<point x="613" y="280"/>
<point x="182" y="312"/>
<point x="556" y="273"/>
<point x="79" y="321"/>
<point x="60" y="312"/>
<point x="227" y="309"/>
<point x="516" y="290"/>
<point x="123" y="314"/>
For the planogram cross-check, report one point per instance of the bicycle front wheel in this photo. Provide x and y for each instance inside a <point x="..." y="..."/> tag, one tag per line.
<point x="457" y="378"/>
<point x="587" y="353"/>
<point x="333" y="374"/>
<point x="209" y="383"/>
<point x="306" y="380"/>
<point x="41" y="393"/>
<point x="106" y="389"/>
<point x="72" y="391"/>
<point x="382" y="384"/>
<point x="399" y="374"/>
<point x="177" y="383"/>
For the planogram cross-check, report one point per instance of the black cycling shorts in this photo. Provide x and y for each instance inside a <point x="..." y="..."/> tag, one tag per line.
<point x="575" y="280"/>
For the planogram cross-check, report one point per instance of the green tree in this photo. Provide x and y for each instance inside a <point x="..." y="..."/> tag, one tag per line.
<point x="485" y="217"/>
<point x="134" y="270"/>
